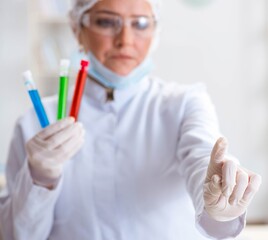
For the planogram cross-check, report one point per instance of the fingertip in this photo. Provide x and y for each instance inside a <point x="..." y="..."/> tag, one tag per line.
<point x="222" y="141"/>
<point x="216" y="178"/>
<point x="213" y="187"/>
<point x="80" y="125"/>
<point x="71" y="119"/>
<point x="227" y="192"/>
<point x="218" y="151"/>
<point x="258" y="178"/>
<point x="256" y="181"/>
<point x="67" y="120"/>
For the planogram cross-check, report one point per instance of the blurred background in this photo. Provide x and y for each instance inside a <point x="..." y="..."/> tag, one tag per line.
<point x="223" y="43"/>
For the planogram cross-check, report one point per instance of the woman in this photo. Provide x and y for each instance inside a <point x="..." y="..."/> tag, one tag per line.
<point x="142" y="154"/>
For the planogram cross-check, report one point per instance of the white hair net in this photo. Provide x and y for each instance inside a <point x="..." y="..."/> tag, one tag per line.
<point x="79" y="7"/>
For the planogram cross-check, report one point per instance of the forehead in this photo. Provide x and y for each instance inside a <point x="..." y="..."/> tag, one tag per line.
<point x="125" y="7"/>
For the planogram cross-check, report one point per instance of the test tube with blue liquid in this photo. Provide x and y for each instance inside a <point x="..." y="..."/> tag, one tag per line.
<point x="35" y="97"/>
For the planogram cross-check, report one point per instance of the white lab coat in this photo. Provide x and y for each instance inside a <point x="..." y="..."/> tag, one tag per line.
<point x="139" y="175"/>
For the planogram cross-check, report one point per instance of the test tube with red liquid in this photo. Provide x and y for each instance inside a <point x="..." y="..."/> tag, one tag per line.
<point x="79" y="89"/>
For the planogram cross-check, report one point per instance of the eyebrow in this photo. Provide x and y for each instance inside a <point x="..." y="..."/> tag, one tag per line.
<point x="117" y="14"/>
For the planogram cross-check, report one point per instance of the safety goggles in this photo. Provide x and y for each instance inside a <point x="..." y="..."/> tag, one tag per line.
<point x="109" y="24"/>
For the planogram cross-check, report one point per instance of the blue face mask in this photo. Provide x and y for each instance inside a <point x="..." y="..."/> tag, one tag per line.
<point x="112" y="80"/>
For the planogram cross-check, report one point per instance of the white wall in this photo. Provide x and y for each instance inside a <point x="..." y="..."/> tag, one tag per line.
<point x="222" y="45"/>
<point x="13" y="60"/>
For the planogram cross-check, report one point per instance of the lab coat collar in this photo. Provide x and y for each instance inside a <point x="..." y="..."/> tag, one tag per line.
<point x="98" y="93"/>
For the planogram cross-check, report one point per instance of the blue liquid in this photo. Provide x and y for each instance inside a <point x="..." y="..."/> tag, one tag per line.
<point x="39" y="109"/>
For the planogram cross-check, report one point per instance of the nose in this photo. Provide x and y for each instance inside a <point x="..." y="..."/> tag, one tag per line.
<point x="124" y="37"/>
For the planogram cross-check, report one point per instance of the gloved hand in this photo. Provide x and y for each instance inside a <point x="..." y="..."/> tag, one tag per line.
<point x="48" y="150"/>
<point x="228" y="188"/>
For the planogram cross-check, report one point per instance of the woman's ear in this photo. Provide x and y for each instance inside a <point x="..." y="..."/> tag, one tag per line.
<point x="78" y="35"/>
<point x="81" y="41"/>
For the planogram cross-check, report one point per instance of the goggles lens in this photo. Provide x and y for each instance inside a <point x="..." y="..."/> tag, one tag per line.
<point x="111" y="25"/>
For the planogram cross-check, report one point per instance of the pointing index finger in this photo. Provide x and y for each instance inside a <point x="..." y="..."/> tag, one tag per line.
<point x="218" y="151"/>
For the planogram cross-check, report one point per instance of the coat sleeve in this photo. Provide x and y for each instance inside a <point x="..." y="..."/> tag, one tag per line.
<point x="26" y="210"/>
<point x="198" y="133"/>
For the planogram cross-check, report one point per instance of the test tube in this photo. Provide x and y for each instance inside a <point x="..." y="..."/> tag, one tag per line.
<point x="63" y="88"/>
<point x="35" y="97"/>
<point x="79" y="89"/>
